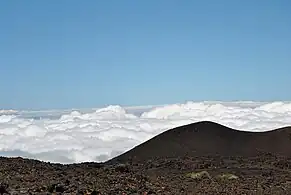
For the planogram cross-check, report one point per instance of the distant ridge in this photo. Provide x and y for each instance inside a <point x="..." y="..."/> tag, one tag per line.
<point x="207" y="138"/>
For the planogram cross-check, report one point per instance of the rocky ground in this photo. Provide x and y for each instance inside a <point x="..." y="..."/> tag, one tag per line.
<point x="265" y="174"/>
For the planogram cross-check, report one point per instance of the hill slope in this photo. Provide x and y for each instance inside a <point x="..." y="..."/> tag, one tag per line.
<point x="209" y="138"/>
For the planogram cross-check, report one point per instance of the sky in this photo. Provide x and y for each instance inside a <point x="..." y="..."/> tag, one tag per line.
<point x="77" y="54"/>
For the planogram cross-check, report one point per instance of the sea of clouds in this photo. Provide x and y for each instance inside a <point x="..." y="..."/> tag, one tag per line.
<point x="100" y="134"/>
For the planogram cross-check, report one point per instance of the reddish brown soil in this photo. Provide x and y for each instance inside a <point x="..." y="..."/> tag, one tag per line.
<point x="261" y="163"/>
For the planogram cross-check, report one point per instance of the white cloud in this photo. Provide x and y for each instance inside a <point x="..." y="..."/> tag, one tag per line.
<point x="3" y="112"/>
<point x="107" y="132"/>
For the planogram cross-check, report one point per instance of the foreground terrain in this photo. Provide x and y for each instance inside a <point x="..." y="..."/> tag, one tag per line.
<point x="204" y="175"/>
<point x="201" y="158"/>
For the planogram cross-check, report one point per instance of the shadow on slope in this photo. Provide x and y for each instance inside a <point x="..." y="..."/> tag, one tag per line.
<point x="209" y="139"/>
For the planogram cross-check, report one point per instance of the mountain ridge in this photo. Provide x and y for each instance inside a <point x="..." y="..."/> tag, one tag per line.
<point x="209" y="138"/>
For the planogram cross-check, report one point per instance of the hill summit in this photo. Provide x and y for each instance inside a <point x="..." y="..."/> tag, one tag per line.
<point x="207" y="138"/>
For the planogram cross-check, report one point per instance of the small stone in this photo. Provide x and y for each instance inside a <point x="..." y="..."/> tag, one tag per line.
<point x="94" y="192"/>
<point x="3" y="188"/>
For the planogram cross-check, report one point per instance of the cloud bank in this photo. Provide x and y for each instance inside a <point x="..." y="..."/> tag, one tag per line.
<point x="107" y="132"/>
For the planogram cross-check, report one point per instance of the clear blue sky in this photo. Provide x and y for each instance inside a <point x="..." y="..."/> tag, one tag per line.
<point x="68" y="53"/>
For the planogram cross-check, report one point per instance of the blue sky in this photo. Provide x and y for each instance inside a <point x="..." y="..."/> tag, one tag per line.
<point x="68" y="53"/>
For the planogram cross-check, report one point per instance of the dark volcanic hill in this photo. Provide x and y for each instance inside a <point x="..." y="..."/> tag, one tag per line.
<point x="209" y="138"/>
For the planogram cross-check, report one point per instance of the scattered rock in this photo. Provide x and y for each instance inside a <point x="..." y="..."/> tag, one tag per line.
<point x="3" y="188"/>
<point x="199" y="175"/>
<point x="227" y="176"/>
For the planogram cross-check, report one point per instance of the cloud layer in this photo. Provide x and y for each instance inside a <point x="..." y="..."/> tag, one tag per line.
<point x="107" y="132"/>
